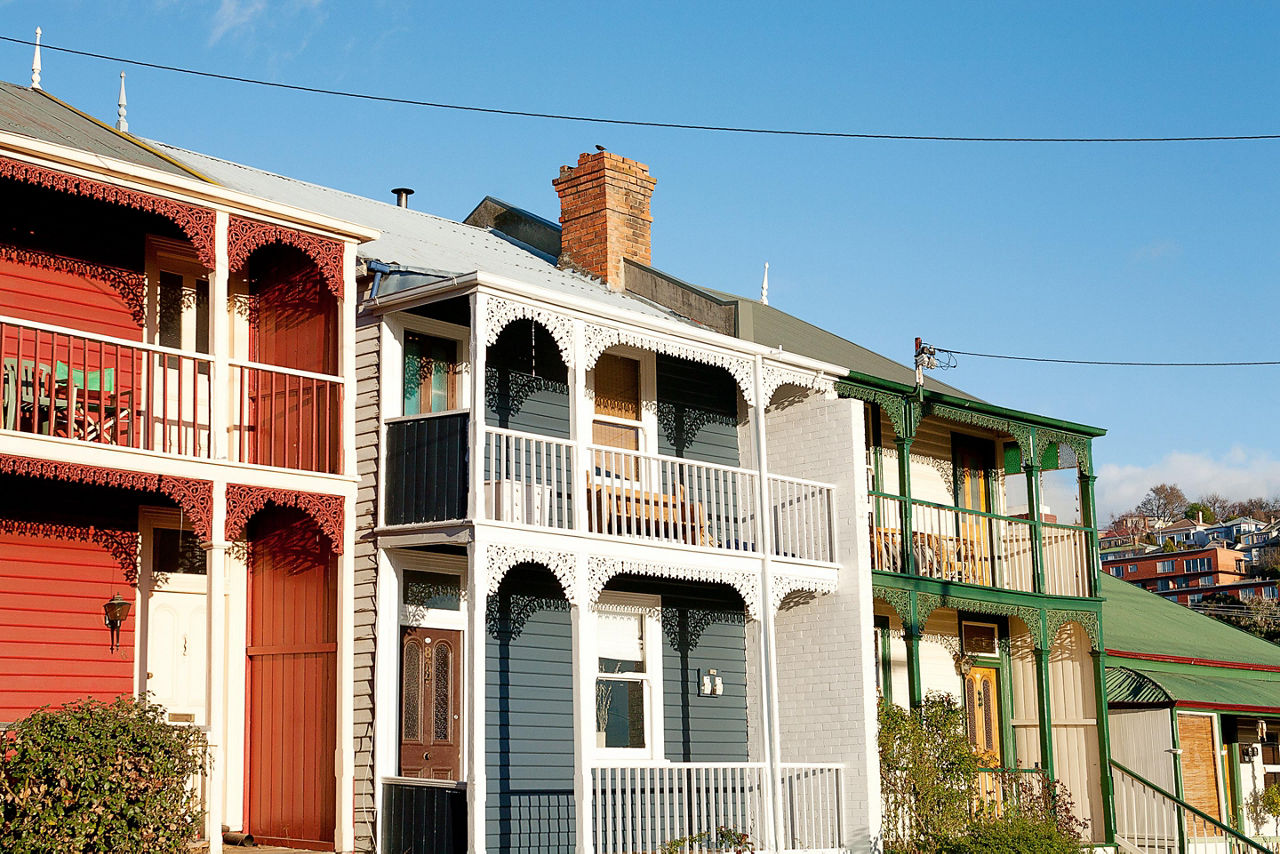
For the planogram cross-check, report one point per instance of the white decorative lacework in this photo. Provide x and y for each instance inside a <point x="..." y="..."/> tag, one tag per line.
<point x="499" y="313"/>
<point x="601" y="338"/>
<point x="501" y="558"/>
<point x="782" y="586"/>
<point x="601" y="569"/>
<point x="775" y="376"/>
<point x="945" y="468"/>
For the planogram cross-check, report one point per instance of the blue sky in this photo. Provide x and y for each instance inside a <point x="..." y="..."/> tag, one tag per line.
<point x="1147" y="252"/>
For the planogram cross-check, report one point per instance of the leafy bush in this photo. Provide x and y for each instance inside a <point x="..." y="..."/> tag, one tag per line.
<point x="722" y="839"/>
<point x="927" y="774"/>
<point x="94" y="776"/>
<point x="1014" y="833"/>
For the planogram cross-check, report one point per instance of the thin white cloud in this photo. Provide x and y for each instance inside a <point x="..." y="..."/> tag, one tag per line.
<point x="1238" y="474"/>
<point x="1157" y="250"/>
<point x="233" y="14"/>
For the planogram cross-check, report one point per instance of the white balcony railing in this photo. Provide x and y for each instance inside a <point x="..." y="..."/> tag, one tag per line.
<point x="638" y="808"/>
<point x="545" y="482"/>
<point x="1067" y="561"/>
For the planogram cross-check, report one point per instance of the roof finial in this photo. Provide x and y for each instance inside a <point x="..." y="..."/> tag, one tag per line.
<point x="122" y="124"/>
<point x="35" y="63"/>
<point x="764" y="286"/>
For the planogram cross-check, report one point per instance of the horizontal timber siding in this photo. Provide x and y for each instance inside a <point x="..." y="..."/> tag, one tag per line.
<point x="366" y="569"/>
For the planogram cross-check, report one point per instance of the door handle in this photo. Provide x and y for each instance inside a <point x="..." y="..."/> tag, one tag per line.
<point x="426" y="755"/>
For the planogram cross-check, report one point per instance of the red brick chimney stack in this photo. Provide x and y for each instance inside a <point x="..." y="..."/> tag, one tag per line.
<point x="604" y="215"/>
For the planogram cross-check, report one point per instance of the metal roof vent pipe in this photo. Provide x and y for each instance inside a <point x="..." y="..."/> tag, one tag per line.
<point x="402" y="195"/>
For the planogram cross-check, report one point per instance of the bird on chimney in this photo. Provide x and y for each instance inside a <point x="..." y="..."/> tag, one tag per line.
<point x="601" y="148"/>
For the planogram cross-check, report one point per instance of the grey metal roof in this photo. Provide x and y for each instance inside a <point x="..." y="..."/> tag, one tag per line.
<point x="39" y="115"/>
<point x="412" y="239"/>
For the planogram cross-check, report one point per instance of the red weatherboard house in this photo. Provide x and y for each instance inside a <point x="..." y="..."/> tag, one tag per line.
<point x="176" y="411"/>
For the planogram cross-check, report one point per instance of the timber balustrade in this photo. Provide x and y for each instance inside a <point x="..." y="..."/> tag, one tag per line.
<point x="546" y="482"/>
<point x="640" y="807"/>
<point x="110" y="391"/>
<point x="973" y="547"/>
<point x="1150" y="820"/>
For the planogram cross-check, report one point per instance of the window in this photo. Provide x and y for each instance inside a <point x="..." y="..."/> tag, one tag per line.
<point x="1117" y="571"/>
<point x="176" y="551"/>
<point x="626" y="682"/>
<point x="1164" y="584"/>
<point x="1197" y="564"/>
<point x="617" y="395"/>
<point x="1269" y="593"/>
<point x="1164" y="566"/>
<point x="430" y="374"/>
<point x="1194" y="598"/>
<point x="1133" y="567"/>
<point x="436" y="590"/>
<point x="1206" y="581"/>
<point x="978" y="638"/>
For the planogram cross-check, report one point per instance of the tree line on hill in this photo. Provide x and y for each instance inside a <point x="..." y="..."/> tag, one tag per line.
<point x="1168" y="502"/>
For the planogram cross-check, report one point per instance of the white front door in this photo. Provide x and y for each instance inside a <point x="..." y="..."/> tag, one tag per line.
<point x="172" y="586"/>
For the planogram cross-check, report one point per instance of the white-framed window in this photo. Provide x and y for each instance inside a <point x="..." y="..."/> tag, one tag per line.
<point x="431" y="368"/>
<point x="1117" y="571"/>
<point x="1133" y="567"/>
<point x="1206" y="581"/>
<point x="1164" y="566"/>
<point x="1197" y="564"/>
<point x="628" y="713"/>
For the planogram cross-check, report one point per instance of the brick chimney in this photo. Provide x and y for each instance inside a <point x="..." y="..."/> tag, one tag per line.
<point x="604" y="214"/>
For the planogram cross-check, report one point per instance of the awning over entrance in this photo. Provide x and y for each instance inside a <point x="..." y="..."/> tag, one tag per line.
<point x="1213" y="687"/>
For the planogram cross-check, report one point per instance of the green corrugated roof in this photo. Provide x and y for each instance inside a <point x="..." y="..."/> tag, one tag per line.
<point x="39" y="115"/>
<point x="1204" y="685"/>
<point x="1134" y="620"/>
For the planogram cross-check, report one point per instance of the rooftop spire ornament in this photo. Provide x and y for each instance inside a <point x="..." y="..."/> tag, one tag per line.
<point x="35" y="63"/>
<point x="764" y="286"/>
<point x="122" y="124"/>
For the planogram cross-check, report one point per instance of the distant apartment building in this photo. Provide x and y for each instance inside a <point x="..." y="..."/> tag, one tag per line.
<point x="1178" y="575"/>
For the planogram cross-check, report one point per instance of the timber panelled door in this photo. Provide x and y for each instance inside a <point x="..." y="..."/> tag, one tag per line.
<point x="292" y="682"/>
<point x="430" y="707"/>
<point x="1199" y="768"/>
<point x="982" y="714"/>
<point x="973" y="459"/>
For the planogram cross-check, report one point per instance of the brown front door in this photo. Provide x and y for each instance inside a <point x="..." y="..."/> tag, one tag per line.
<point x="430" y="704"/>
<point x="292" y="708"/>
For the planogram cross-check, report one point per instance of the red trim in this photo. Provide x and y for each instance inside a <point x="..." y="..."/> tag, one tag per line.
<point x="1205" y="662"/>
<point x="1224" y="707"/>
<point x="196" y="223"/>
<point x="121" y="545"/>
<point x="246" y="235"/>
<point x="194" y="496"/>
<point x="244" y="501"/>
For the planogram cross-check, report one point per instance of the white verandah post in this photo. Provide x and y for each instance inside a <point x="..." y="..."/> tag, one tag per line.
<point x="768" y="650"/>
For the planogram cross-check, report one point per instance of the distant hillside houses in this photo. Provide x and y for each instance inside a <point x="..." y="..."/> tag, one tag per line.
<point x="1188" y="559"/>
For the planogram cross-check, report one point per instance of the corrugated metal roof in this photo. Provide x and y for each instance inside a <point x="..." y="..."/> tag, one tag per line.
<point x="39" y="115"/>
<point x="1215" y="685"/>
<point x="413" y="239"/>
<point x="1134" y="620"/>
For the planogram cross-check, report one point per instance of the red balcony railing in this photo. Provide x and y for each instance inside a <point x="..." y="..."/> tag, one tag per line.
<point x="105" y="390"/>
<point x="286" y="418"/>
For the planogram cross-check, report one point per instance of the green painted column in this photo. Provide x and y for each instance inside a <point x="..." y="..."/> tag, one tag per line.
<point x="1089" y="517"/>
<point x="1032" y="471"/>
<point x="1044" y="709"/>
<point x="912" y="632"/>
<point x="1104" y="744"/>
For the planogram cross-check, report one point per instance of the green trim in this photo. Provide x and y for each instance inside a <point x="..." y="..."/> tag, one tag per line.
<point x="1044" y="708"/>
<point x="1177" y="774"/>
<point x="886" y="658"/>
<point x="871" y="383"/>
<point x="1103" y="731"/>
<point x="974" y="592"/>
<point x="915" y="690"/>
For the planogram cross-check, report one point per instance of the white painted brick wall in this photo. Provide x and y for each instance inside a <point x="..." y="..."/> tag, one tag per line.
<point x="827" y="699"/>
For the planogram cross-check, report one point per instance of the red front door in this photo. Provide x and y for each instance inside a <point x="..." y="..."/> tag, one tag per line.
<point x="292" y="708"/>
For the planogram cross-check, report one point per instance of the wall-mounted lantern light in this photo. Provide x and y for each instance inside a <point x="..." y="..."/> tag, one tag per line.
<point x="115" y="611"/>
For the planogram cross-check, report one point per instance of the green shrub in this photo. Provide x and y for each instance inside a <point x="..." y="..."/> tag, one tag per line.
<point x="93" y="776"/>
<point x="1014" y="833"/>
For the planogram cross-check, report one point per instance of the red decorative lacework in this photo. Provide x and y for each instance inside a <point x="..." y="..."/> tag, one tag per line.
<point x="196" y="223"/>
<point x="246" y="235"/>
<point x="121" y="545"/>
<point x="129" y="284"/>
<point x="244" y="501"/>
<point x="194" y="496"/>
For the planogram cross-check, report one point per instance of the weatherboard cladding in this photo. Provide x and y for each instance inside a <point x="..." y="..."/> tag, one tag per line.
<point x="527" y="389"/>
<point x="697" y="412"/>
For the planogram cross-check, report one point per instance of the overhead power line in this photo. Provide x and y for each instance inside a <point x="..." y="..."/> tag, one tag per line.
<point x="567" y="117"/>
<point x="1106" y="363"/>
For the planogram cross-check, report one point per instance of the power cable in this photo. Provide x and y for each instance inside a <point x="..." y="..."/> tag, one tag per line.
<point x="566" y="117"/>
<point x="1105" y="363"/>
